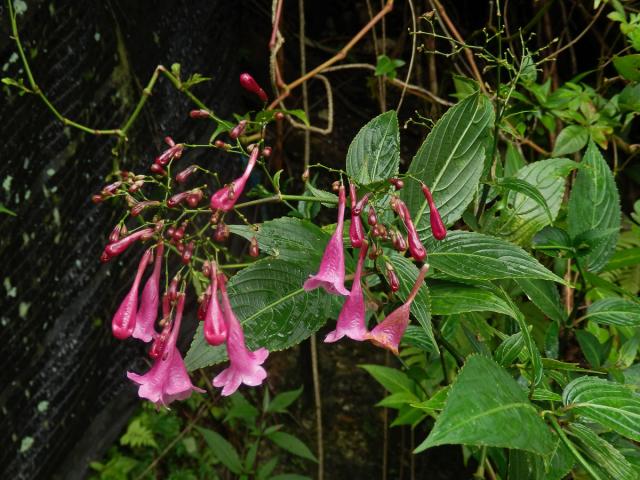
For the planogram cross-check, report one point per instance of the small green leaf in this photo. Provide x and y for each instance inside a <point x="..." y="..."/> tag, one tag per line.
<point x="281" y="402"/>
<point x="554" y="242"/>
<point x="292" y="444"/>
<point x="592" y="349"/>
<point x="387" y="66"/>
<point x="451" y="298"/>
<point x="525" y="188"/>
<point x="544" y="295"/>
<point x="437" y="401"/>
<point x="628" y="66"/>
<point x="374" y="153"/>
<point x="222" y="450"/>
<point x="395" y="381"/>
<point x="483" y="397"/>
<point x="510" y="348"/>
<point x="615" y="311"/>
<point x="571" y="139"/>
<point x="5" y="210"/>
<point x="613" y="405"/>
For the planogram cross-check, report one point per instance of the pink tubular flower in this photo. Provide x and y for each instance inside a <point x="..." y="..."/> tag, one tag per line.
<point x="437" y="226"/>
<point x="124" y="321"/>
<point x="245" y="366"/>
<point x="330" y="276"/>
<point x="116" y="248"/>
<point x="215" y="329"/>
<point x="149" y="301"/>
<point x="225" y="198"/>
<point x="387" y="334"/>
<point x="168" y="379"/>
<point x="351" y="321"/>
<point x="250" y="85"/>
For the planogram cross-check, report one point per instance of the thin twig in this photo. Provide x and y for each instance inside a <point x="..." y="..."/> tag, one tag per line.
<point x="413" y="54"/>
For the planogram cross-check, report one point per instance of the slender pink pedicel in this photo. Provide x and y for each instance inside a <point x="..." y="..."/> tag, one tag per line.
<point x="168" y="379"/>
<point x="330" y="276"/>
<point x="244" y="365"/>
<point x="225" y="198"/>
<point x="351" y="321"/>
<point x="149" y="301"/>
<point x="389" y="332"/>
<point x="124" y="321"/>
<point x="215" y="329"/>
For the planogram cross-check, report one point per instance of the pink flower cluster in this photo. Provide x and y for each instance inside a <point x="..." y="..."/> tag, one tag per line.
<point x="331" y="274"/>
<point x="168" y="380"/>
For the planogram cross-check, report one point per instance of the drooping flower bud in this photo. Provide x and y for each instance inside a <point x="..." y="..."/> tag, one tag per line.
<point x="254" y="249"/>
<point x="416" y="248"/>
<point x="114" y="236"/>
<point x="186" y="173"/>
<point x="116" y="248"/>
<point x="392" y="278"/>
<point x="111" y="189"/>
<point x="194" y="197"/>
<point x="140" y="206"/>
<point x="266" y="152"/>
<point x="225" y="198"/>
<point x="437" y="226"/>
<point x="351" y="320"/>
<point x="169" y="141"/>
<point x="176" y="199"/>
<point x="238" y="130"/>
<point x="244" y="365"/>
<point x="249" y="84"/>
<point x="169" y="154"/>
<point x="173" y="288"/>
<point x="372" y="218"/>
<point x="221" y="233"/>
<point x="220" y="144"/>
<point x="330" y="275"/>
<point x="158" y="170"/>
<point x="215" y="329"/>
<point x="149" y="301"/>
<point x="160" y="341"/>
<point x="361" y="204"/>
<point x="188" y="253"/>
<point x="199" y="114"/>
<point x="389" y="332"/>
<point x="397" y="183"/>
<point x="124" y="321"/>
<point x="356" y="230"/>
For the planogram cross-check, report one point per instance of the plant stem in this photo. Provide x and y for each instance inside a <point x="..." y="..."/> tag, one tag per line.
<point x="283" y="197"/>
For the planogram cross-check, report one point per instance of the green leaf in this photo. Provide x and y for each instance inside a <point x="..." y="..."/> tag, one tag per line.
<point x="421" y="307"/>
<point x="452" y="298"/>
<point x="450" y="162"/>
<point x="264" y="470"/>
<point x="525" y="465"/>
<point x="138" y="435"/>
<point x="544" y="295"/>
<point x="628" y="66"/>
<point x="287" y="238"/>
<point x="5" y="210"/>
<point x="611" y="404"/>
<point x="525" y="188"/>
<point x="602" y="453"/>
<point x="510" y="348"/>
<point x="615" y="311"/>
<point x="415" y="336"/>
<point x="222" y="449"/>
<point x="394" y="380"/>
<point x="571" y="139"/>
<point x="387" y="66"/>
<point x="476" y="256"/>
<point x="374" y="154"/>
<point x="594" y="204"/>
<point x="523" y="217"/>
<point x="487" y="407"/>
<point x="272" y="306"/>
<point x="554" y="242"/>
<point x="281" y="402"/>
<point x="591" y="348"/>
<point x="331" y="199"/>
<point x="397" y="400"/>
<point x="624" y="258"/>
<point x="437" y="401"/>
<point x="292" y="444"/>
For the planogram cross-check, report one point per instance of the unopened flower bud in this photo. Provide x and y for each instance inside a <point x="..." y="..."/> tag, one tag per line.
<point x="169" y="141"/>
<point x="188" y="252"/>
<point x="372" y="218"/>
<point x="437" y="226"/>
<point x="266" y="152"/>
<point x="158" y="170"/>
<point x="186" y="173"/>
<point x="305" y="175"/>
<point x="140" y="206"/>
<point x="279" y="116"/>
<point x="220" y="144"/>
<point x="114" y="236"/>
<point x="110" y="189"/>
<point x="392" y="278"/>
<point x="97" y="199"/>
<point x="199" y="114"/>
<point x="176" y="199"/>
<point x="397" y="183"/>
<point x="173" y="288"/>
<point x="335" y="186"/>
<point x="254" y="249"/>
<point x="238" y="130"/>
<point x="221" y="233"/>
<point x="194" y="197"/>
<point x="361" y="204"/>
<point x="250" y="85"/>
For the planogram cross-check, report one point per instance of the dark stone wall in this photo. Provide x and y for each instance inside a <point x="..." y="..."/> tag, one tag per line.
<point x="63" y="392"/>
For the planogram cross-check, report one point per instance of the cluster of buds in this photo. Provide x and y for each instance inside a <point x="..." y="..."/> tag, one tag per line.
<point x="173" y="152"/>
